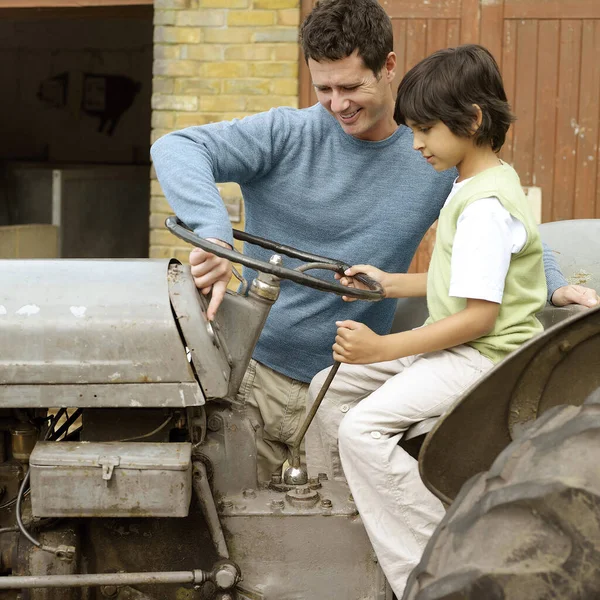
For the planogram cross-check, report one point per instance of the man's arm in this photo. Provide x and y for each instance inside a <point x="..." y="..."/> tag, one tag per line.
<point x="189" y="163"/>
<point x="560" y="292"/>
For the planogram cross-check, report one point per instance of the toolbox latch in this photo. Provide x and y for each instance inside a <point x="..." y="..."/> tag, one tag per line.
<point x="108" y="464"/>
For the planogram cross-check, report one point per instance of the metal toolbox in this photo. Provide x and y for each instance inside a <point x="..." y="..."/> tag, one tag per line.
<point x="110" y="479"/>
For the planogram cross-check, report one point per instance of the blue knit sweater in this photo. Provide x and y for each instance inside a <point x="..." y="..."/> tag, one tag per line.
<point x="309" y="185"/>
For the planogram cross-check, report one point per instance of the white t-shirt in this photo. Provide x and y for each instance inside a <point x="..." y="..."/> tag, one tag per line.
<point x="486" y="236"/>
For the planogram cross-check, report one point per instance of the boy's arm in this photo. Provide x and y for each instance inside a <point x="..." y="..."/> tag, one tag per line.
<point x="357" y="344"/>
<point x="395" y="285"/>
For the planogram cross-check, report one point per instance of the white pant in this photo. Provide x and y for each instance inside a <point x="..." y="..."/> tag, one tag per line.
<point x="372" y="406"/>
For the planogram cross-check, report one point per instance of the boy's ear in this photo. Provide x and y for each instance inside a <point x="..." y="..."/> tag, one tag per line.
<point x="478" y="119"/>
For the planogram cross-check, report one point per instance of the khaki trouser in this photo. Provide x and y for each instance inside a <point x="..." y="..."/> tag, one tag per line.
<point x="276" y="405"/>
<point x="356" y="433"/>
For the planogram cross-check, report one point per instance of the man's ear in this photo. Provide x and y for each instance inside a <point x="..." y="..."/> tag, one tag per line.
<point x="390" y="67"/>
<point x="478" y="119"/>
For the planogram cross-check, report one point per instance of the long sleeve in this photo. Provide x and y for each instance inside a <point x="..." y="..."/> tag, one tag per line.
<point x="190" y="162"/>
<point x="554" y="276"/>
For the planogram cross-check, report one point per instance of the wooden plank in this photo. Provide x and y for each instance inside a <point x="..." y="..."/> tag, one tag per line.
<point x="416" y="38"/>
<point x="70" y="3"/>
<point x="399" y="26"/>
<point x="508" y="67"/>
<point x="492" y="25"/>
<point x="545" y="119"/>
<point x="416" y="50"/>
<point x="584" y="203"/>
<point x="425" y="250"/>
<point x="470" y="16"/>
<point x="453" y="38"/>
<point x="306" y="92"/>
<point x="418" y="9"/>
<point x="525" y="100"/>
<point x="566" y="122"/>
<point x="551" y="9"/>
<point x="437" y="33"/>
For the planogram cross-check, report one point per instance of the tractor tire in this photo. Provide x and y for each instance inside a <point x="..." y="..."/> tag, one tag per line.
<point x="529" y="528"/>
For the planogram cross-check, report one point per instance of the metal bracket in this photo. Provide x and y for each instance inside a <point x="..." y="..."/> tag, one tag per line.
<point x="108" y="464"/>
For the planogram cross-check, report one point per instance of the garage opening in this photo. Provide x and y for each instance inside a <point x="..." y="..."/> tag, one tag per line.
<point x="76" y="80"/>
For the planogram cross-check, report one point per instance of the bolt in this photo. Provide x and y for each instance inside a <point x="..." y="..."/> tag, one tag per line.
<point x="249" y="493"/>
<point x="322" y="477"/>
<point x="564" y="346"/>
<point x="225" y="577"/>
<point x="226" y="504"/>
<point x="214" y="423"/>
<point x="277" y="504"/>
<point x="326" y="503"/>
<point x="108" y="591"/>
<point x="276" y="479"/>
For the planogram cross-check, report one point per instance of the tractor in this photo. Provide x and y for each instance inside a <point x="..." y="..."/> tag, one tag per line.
<point x="128" y="464"/>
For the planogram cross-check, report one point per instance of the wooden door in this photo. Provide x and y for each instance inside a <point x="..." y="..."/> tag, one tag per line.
<point x="549" y="54"/>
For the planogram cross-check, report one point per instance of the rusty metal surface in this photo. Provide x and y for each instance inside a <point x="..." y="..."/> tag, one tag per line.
<point x="560" y="366"/>
<point x="208" y="352"/>
<point x="575" y="246"/>
<point x="309" y="553"/>
<point x="111" y="479"/>
<point x="155" y="395"/>
<point x="88" y="321"/>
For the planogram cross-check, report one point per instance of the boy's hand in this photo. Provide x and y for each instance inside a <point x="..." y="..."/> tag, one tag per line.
<point x="356" y="344"/>
<point x="348" y="280"/>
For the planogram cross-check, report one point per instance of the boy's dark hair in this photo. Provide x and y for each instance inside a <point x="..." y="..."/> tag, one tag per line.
<point x="444" y="87"/>
<point x="334" y="29"/>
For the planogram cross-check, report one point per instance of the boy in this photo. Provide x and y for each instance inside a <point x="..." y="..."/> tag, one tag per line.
<point x="484" y="287"/>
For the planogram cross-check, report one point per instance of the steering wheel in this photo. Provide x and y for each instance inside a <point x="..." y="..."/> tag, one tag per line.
<point x="312" y="261"/>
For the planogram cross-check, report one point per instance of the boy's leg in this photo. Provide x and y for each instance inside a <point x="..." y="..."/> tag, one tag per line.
<point x="351" y="384"/>
<point x="275" y="406"/>
<point x="398" y="511"/>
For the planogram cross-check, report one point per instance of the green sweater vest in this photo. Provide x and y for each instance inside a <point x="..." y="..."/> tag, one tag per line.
<point x="525" y="285"/>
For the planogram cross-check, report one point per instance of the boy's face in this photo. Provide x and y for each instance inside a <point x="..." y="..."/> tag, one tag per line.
<point x="361" y="102"/>
<point x="439" y="146"/>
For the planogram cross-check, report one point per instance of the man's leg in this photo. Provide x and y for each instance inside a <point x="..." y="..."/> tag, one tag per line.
<point x="351" y="384"/>
<point x="275" y="405"/>
<point x="398" y="511"/>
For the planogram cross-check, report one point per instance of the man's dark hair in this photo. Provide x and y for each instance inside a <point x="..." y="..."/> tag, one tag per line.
<point x="334" y="29"/>
<point x="444" y="87"/>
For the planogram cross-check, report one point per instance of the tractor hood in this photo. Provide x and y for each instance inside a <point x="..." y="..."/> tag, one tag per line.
<point x="91" y="333"/>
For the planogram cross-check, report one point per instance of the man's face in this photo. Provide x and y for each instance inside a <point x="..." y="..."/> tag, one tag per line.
<point x="360" y="101"/>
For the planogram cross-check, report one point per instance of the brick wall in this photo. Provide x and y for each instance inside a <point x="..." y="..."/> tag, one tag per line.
<point x="216" y="60"/>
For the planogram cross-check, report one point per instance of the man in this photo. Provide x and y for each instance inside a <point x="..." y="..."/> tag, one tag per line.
<point x="338" y="179"/>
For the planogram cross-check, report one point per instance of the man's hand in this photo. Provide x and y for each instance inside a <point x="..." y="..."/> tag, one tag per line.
<point x="211" y="272"/>
<point x="575" y="294"/>
<point x="356" y="344"/>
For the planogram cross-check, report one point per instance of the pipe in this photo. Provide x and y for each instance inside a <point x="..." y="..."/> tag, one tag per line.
<point x="209" y="510"/>
<point x="195" y="577"/>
